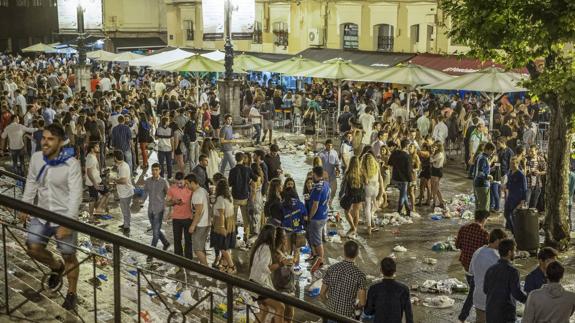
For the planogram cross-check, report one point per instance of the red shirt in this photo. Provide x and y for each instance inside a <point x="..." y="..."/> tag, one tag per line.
<point x="184" y="210"/>
<point x="470" y="238"/>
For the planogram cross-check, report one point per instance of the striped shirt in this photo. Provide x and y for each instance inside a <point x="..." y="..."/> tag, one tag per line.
<point x="121" y="137"/>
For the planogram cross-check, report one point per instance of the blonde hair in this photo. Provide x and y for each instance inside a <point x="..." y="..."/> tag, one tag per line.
<point x="317" y="161"/>
<point x="369" y="166"/>
<point x="354" y="176"/>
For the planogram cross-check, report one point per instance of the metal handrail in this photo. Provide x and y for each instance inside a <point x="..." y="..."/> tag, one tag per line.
<point x="12" y="175"/>
<point x="120" y="241"/>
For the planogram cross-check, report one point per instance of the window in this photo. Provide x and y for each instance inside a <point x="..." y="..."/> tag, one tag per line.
<point x="350" y="36"/>
<point x="414" y="34"/>
<point x="385" y="38"/>
<point x="4" y="3"/>
<point x="21" y="3"/>
<point x="258" y="33"/>
<point x="189" y="25"/>
<point x="280" y="32"/>
<point x="36" y="3"/>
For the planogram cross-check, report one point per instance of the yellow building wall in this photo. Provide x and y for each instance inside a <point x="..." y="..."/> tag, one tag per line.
<point x="133" y="16"/>
<point x="310" y="14"/>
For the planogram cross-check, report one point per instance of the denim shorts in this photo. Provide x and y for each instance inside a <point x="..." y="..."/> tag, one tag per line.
<point x="38" y="233"/>
<point x="314" y="230"/>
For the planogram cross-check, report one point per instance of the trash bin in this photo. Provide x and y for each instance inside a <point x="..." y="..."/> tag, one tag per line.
<point x="526" y="225"/>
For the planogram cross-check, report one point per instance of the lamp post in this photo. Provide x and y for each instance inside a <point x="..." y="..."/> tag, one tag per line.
<point x="82" y="71"/>
<point x="228" y="47"/>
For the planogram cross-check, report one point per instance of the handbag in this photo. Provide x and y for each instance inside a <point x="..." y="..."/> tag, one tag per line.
<point x="283" y="279"/>
<point x="300" y="239"/>
<point x="345" y="197"/>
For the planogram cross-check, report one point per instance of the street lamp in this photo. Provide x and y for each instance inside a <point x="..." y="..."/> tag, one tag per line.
<point x="228" y="47"/>
<point x="81" y="39"/>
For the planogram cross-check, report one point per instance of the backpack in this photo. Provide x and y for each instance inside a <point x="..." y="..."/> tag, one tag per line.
<point x="189" y="133"/>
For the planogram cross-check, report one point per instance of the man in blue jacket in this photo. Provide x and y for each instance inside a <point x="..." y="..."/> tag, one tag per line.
<point x="482" y="179"/>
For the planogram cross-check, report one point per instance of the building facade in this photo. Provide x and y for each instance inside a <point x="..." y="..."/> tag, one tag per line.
<point x="27" y="22"/>
<point x="292" y="26"/>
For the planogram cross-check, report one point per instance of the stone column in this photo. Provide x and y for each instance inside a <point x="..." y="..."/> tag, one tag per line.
<point x="229" y="95"/>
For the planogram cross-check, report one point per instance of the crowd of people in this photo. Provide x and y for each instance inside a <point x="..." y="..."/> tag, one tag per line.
<point x="104" y="135"/>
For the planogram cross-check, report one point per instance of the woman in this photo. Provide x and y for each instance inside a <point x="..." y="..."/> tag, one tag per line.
<point x="273" y="207"/>
<point x="289" y="183"/>
<point x="261" y="268"/>
<point x="425" y="174"/>
<point x="256" y="200"/>
<point x="412" y="150"/>
<point x="516" y="192"/>
<point x="288" y="101"/>
<point x="385" y="171"/>
<point x="180" y="147"/>
<point x="354" y="181"/>
<point x="223" y="233"/>
<point x="284" y="261"/>
<point x="81" y="139"/>
<point x="437" y="160"/>
<point x="144" y="138"/>
<point x="373" y="189"/>
<point x="209" y="150"/>
<point x="294" y="212"/>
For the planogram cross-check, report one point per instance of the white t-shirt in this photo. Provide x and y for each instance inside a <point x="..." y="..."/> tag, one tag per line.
<point x="255" y="116"/>
<point x="223" y="203"/>
<point x="125" y="190"/>
<point x="200" y="196"/>
<point x="92" y="162"/>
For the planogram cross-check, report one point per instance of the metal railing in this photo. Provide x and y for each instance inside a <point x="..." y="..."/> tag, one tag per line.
<point x="176" y="313"/>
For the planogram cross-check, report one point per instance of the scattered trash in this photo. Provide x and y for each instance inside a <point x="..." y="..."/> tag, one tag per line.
<point x="436" y="217"/>
<point x="394" y="219"/>
<point x="145" y="316"/>
<point x="105" y="217"/>
<point x="522" y="254"/>
<point x="430" y="261"/>
<point x="448" y="245"/>
<point x="399" y="248"/>
<point x="439" y="302"/>
<point x="185" y="298"/>
<point x="333" y="238"/>
<point x="102" y="277"/>
<point x="446" y="286"/>
<point x="314" y="292"/>
<point x="305" y="250"/>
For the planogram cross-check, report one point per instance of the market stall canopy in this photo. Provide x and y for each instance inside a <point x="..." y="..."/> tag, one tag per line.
<point x="39" y="48"/>
<point x="247" y="62"/>
<point x="196" y="63"/>
<point x="455" y="64"/>
<point x="123" y="57"/>
<point x="162" y="58"/>
<point x="336" y="69"/>
<point x="362" y="57"/>
<point x="290" y="66"/>
<point x="407" y="74"/>
<point x="100" y="55"/>
<point x="490" y="80"/>
<point x="136" y="43"/>
<point x="215" y="55"/>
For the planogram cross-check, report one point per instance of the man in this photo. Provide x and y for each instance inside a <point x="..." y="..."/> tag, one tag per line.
<point x="55" y="182"/>
<point x="201" y="172"/>
<point x="343" y="120"/>
<point x="267" y="111"/>
<point x="440" y="131"/>
<point x="535" y="279"/>
<point x="501" y="286"/>
<point x="15" y="134"/>
<point x="536" y="169"/>
<point x="239" y="179"/>
<point x="366" y="120"/>
<point x="125" y="190"/>
<point x="471" y="237"/>
<point x="166" y="144"/>
<point x="344" y="283"/>
<point x="481" y="181"/>
<point x="48" y="114"/>
<point x="256" y="119"/>
<point x="483" y="258"/>
<point x="156" y="189"/>
<point x="19" y="103"/>
<point x="121" y="138"/>
<point x="94" y="181"/>
<point x="200" y="227"/>
<point x="226" y="140"/>
<point x="179" y="197"/>
<point x="346" y="149"/>
<point x="319" y="197"/>
<point x="552" y="303"/>
<point x="330" y="162"/>
<point x="379" y="142"/>
<point x="402" y="174"/>
<point x="389" y="300"/>
<point x="259" y="157"/>
<point x="423" y="124"/>
<point x="273" y="162"/>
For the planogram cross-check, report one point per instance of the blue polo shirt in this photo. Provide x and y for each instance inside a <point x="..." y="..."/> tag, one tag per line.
<point x="534" y="280"/>
<point x="320" y="193"/>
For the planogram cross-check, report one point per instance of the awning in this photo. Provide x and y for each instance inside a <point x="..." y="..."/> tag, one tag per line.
<point x="455" y="65"/>
<point x="123" y="44"/>
<point x="367" y="58"/>
<point x="272" y="57"/>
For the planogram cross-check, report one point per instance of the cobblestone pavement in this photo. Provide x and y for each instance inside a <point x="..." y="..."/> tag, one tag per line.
<point x="418" y="238"/>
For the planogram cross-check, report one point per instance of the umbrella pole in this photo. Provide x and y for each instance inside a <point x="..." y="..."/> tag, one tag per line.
<point x="338" y="99"/>
<point x="491" y="112"/>
<point x="408" y="106"/>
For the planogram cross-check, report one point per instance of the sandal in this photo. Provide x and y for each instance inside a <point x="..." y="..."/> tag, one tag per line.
<point x="231" y="270"/>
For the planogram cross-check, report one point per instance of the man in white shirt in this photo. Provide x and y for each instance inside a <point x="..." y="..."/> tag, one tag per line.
<point x="55" y="182"/>
<point x="423" y="124"/>
<point x="94" y="181"/>
<point x="367" y="120"/>
<point x="15" y="134"/>
<point x="200" y="227"/>
<point x="19" y="103"/>
<point x="256" y="119"/>
<point x="482" y="259"/>
<point x="159" y="88"/>
<point x="125" y="189"/>
<point x="105" y="83"/>
<point x="440" y="131"/>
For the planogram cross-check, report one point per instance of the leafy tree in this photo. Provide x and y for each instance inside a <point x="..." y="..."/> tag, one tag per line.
<point x="538" y="34"/>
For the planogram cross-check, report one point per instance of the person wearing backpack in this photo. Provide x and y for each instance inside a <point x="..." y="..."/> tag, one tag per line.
<point x="144" y="137"/>
<point x="190" y="139"/>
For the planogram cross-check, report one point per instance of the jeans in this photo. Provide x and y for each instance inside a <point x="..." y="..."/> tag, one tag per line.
<point x="495" y="197"/>
<point x="510" y="206"/>
<point x="403" y="197"/>
<point x="128" y="158"/>
<point x="533" y="196"/>
<point x="17" y="161"/>
<point x="165" y="158"/>
<point x="156" y="222"/>
<point x="468" y="300"/>
<point x="481" y="198"/>
<point x="227" y="159"/>
<point x="193" y="154"/>
<point x="180" y="227"/>
<point x="126" y="213"/>
<point x="257" y="137"/>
